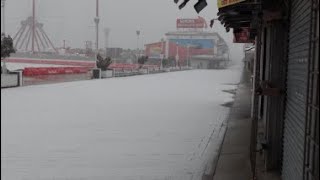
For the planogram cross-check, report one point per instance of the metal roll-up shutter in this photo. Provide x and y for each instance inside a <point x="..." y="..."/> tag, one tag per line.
<point x="297" y="73"/>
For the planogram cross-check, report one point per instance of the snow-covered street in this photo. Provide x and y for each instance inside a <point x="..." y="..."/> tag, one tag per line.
<point x="134" y="128"/>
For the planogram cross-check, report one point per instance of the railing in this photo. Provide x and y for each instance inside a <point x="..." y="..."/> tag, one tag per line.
<point x="123" y="72"/>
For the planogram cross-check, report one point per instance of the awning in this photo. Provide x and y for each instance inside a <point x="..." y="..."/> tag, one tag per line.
<point x="242" y="16"/>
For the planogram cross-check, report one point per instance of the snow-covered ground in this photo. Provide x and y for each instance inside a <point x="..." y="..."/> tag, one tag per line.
<point x="161" y="126"/>
<point x="19" y="66"/>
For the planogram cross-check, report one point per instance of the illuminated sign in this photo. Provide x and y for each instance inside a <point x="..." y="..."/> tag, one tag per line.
<point x="224" y="3"/>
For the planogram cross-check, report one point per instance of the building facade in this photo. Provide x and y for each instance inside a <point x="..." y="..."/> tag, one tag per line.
<point x="285" y="110"/>
<point x="190" y="45"/>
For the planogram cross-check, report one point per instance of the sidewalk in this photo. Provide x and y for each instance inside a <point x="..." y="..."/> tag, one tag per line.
<point x="234" y="158"/>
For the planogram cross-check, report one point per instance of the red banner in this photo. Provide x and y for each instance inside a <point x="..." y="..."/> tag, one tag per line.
<point x="54" y="71"/>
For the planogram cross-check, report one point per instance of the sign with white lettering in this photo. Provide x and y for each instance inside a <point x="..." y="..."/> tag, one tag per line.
<point x="192" y="23"/>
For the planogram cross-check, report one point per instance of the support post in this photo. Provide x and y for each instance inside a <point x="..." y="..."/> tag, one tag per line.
<point x="33" y="24"/>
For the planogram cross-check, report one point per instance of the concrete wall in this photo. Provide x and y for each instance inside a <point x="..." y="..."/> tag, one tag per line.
<point x="11" y="80"/>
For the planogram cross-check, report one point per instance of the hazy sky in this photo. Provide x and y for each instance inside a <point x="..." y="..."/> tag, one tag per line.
<point x="72" y="20"/>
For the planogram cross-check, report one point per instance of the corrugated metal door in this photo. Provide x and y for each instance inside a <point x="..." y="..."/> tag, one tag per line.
<point x="295" y="116"/>
<point x="311" y="158"/>
<point x="275" y="75"/>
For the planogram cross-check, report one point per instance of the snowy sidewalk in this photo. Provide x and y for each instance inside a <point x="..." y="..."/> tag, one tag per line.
<point x="234" y="160"/>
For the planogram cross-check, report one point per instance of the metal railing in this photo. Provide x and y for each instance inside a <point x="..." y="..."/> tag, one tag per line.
<point x="123" y="72"/>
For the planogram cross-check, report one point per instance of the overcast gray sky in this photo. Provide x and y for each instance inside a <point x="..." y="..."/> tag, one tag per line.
<point x="72" y="20"/>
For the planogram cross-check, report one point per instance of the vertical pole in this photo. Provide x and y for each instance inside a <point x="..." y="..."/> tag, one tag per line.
<point x="163" y="50"/>
<point x="4" y="67"/>
<point x="33" y="24"/>
<point x="97" y="8"/>
<point x="188" y="55"/>
<point x="97" y="23"/>
<point x="138" y="44"/>
<point x="138" y="34"/>
<point x="177" y="55"/>
<point x="3" y="15"/>
<point x="96" y="20"/>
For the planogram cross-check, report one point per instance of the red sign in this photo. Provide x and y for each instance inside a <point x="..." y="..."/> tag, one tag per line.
<point x="54" y="70"/>
<point x="192" y="23"/>
<point x="242" y="36"/>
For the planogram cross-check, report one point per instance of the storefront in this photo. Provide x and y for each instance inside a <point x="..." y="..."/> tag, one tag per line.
<point x="286" y="81"/>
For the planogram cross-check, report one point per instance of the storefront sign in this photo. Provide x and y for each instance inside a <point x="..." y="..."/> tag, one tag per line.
<point x="191" y="23"/>
<point x="224" y="3"/>
<point x="242" y="36"/>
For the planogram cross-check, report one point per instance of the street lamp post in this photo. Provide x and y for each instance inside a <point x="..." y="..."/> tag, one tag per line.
<point x="4" y="67"/>
<point x="3" y="15"/>
<point x="96" y="21"/>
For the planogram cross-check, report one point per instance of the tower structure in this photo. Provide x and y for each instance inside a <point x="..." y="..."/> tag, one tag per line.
<point x="31" y="36"/>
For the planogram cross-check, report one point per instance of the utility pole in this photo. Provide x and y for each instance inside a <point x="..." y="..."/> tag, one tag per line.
<point x="4" y="67"/>
<point x="97" y="20"/>
<point x="3" y="2"/>
<point x="33" y="25"/>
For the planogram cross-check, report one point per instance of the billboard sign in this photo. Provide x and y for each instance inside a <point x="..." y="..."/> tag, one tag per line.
<point x="192" y="23"/>
<point x="155" y="50"/>
<point x="224" y="3"/>
<point x="195" y="43"/>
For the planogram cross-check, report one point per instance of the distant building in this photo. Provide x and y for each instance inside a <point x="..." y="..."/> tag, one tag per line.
<point x="114" y="52"/>
<point x="198" y="49"/>
<point x="191" y="44"/>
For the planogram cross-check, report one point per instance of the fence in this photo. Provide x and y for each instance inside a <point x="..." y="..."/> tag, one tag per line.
<point x="123" y="72"/>
<point x="34" y="76"/>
